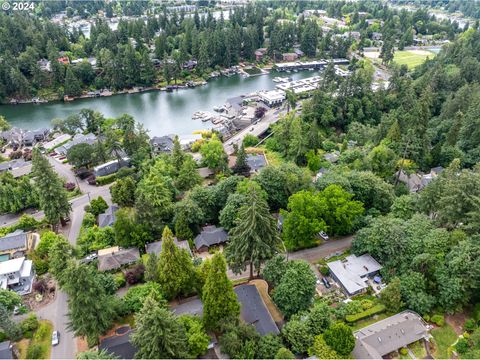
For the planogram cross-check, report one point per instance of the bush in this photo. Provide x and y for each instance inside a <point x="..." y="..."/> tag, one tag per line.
<point x="124" y="172"/>
<point x="470" y="325"/>
<point x="40" y="286"/>
<point x="438" y="319"/>
<point x="30" y="324"/>
<point x="104" y="180"/>
<point x="462" y="346"/>
<point x="403" y="351"/>
<point x="426" y="317"/>
<point x="367" y="304"/>
<point x="324" y="270"/>
<point x="42" y="332"/>
<point x="377" y="309"/>
<point x="120" y="280"/>
<point x="284" y="353"/>
<point x="135" y="274"/>
<point x="35" y="351"/>
<point x="250" y="140"/>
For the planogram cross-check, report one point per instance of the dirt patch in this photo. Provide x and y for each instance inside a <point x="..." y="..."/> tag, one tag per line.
<point x="262" y="288"/>
<point x="82" y="344"/>
<point x="31" y="300"/>
<point x="456" y="321"/>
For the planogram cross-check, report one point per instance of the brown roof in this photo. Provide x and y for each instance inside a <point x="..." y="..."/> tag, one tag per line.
<point x="118" y="259"/>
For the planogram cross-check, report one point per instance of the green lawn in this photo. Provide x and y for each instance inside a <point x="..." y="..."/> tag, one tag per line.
<point x="411" y="58"/>
<point x="418" y="348"/>
<point x="444" y="337"/>
<point x="369" y="321"/>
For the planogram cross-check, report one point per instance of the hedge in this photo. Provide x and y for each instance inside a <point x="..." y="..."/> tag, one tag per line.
<point x="377" y="309"/>
<point x="104" y="180"/>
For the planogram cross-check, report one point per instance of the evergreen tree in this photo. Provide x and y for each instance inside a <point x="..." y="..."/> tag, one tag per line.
<point x="59" y="254"/>
<point x="72" y="86"/>
<point x="241" y="167"/>
<point x="91" y="310"/>
<point x="158" y="333"/>
<point x="219" y="300"/>
<point x="7" y="325"/>
<point x="255" y="238"/>
<point x="151" y="268"/>
<point x="52" y="195"/>
<point x="175" y="267"/>
<point x="147" y="71"/>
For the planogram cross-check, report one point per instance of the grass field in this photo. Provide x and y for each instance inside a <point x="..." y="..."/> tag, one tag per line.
<point x="444" y="337"/>
<point x="412" y="58"/>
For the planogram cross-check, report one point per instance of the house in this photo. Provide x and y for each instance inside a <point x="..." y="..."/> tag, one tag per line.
<point x="16" y="244"/>
<point x="156" y="247"/>
<point x="205" y="172"/>
<point x="119" y="345"/>
<point x="17" y="275"/>
<point x="56" y="142"/>
<point x="110" y="167"/>
<point x="417" y="182"/>
<point x="77" y="139"/>
<point x="253" y="310"/>
<point x="210" y="236"/>
<point x="7" y="350"/>
<point x="44" y="65"/>
<point x="376" y="36"/>
<point x="256" y="162"/>
<point x="260" y="53"/>
<point x="332" y="157"/>
<point x="289" y="56"/>
<point x="114" y="258"/>
<point x="388" y="335"/>
<point x="24" y="169"/>
<point x="108" y="217"/>
<point x="272" y="97"/>
<point x="12" y="137"/>
<point x="190" y="64"/>
<point x="353" y="272"/>
<point x="320" y="173"/>
<point x="64" y="60"/>
<point x="162" y="144"/>
<point x="299" y="52"/>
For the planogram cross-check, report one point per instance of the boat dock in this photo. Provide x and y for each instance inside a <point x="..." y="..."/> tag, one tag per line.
<point x="309" y="65"/>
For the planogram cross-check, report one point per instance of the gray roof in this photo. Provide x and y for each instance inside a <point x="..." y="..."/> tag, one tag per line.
<point x="254" y="311"/>
<point x="162" y="143"/>
<point x="156" y="247"/>
<point x="390" y="334"/>
<point x="119" y="345"/>
<point x="5" y="350"/>
<point x="13" y="164"/>
<point x="211" y="235"/>
<point x="351" y="271"/>
<point x="256" y="161"/>
<point x="77" y="139"/>
<point x="111" y="167"/>
<point x="118" y="259"/>
<point x="15" y="240"/>
<point x="108" y="217"/>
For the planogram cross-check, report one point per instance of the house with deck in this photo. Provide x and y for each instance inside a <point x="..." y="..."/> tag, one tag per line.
<point x="16" y="244"/>
<point x="17" y="275"/>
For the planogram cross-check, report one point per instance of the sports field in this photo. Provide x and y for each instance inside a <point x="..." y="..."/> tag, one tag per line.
<point x="412" y="58"/>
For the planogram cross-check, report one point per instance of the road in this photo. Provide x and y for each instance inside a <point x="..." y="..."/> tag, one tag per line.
<point x="311" y="255"/>
<point x="270" y="117"/>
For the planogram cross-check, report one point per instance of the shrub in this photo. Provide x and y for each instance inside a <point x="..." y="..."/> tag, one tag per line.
<point x="69" y="186"/>
<point x="426" y="317"/>
<point x="104" y="180"/>
<point x="29" y="324"/>
<point x="462" y="346"/>
<point x="470" y="325"/>
<point x="250" y="140"/>
<point x="324" y="270"/>
<point x="284" y="353"/>
<point x="403" y="351"/>
<point x="40" y="286"/>
<point x="438" y="319"/>
<point x="124" y="172"/>
<point x="42" y="332"/>
<point x="377" y="309"/>
<point x="120" y="280"/>
<point x="367" y="304"/>
<point x="135" y="274"/>
<point x="35" y="351"/>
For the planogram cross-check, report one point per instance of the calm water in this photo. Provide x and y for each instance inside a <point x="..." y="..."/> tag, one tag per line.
<point x="160" y="112"/>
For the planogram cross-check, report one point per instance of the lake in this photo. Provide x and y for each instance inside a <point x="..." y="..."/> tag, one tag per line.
<point x="160" y="112"/>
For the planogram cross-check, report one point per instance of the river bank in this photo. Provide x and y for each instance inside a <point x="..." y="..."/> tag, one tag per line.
<point x="161" y="112"/>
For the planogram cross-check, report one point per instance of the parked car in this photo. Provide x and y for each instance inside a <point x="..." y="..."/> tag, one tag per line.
<point x="55" y="338"/>
<point x="326" y="282"/>
<point x="323" y="235"/>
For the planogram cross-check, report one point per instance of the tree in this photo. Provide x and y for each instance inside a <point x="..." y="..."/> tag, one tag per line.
<point x="158" y="334"/>
<point x="136" y="296"/>
<point x="241" y="166"/>
<point x="219" y="300"/>
<point x="274" y="270"/>
<point x="321" y="350"/>
<point x="284" y="353"/>
<point x="197" y="338"/>
<point x="268" y="346"/>
<point x="382" y="160"/>
<point x="59" y="254"/>
<point x="91" y="310"/>
<point x="95" y="355"/>
<point x="296" y="289"/>
<point x="213" y="155"/>
<point x="80" y="155"/>
<point x="4" y="125"/>
<point x="52" y="195"/>
<point x="72" y="85"/>
<point x="319" y="318"/>
<point x="9" y="299"/>
<point x="128" y="232"/>
<point x="188" y="176"/>
<point x="297" y="335"/>
<point x="254" y="238"/>
<point x="123" y="192"/>
<point x="391" y="296"/>
<point x="151" y="268"/>
<point x="239" y="341"/>
<point x="97" y="206"/>
<point x="229" y="214"/>
<point x="8" y="326"/>
<point x="340" y="338"/>
<point x="175" y="267"/>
